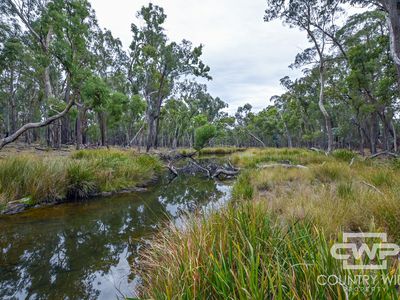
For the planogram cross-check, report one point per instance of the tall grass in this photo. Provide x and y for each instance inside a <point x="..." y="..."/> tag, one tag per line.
<point x="220" y="150"/>
<point x="83" y="173"/>
<point x="243" y="252"/>
<point x="273" y="239"/>
<point x="253" y="157"/>
<point x="213" y="150"/>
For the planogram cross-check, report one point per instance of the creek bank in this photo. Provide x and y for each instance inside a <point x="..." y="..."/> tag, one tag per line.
<point x="31" y="180"/>
<point x="19" y="206"/>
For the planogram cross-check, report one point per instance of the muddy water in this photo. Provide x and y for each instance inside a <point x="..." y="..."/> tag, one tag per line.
<point x="87" y="250"/>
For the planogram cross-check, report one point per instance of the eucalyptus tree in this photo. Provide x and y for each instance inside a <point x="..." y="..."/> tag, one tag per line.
<point x="156" y="64"/>
<point x="244" y="117"/>
<point x="392" y="10"/>
<point x="317" y="18"/>
<point x="281" y="104"/>
<point x="112" y="68"/>
<point x="372" y="76"/>
<point x="62" y="30"/>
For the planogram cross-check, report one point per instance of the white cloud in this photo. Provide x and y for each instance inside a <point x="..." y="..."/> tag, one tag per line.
<point x="247" y="56"/>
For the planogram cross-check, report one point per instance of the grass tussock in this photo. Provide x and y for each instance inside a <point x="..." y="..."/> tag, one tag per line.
<point x="214" y="150"/>
<point x="47" y="178"/>
<point x="273" y="240"/>
<point x="252" y="157"/>
<point x="243" y="252"/>
<point x="220" y="150"/>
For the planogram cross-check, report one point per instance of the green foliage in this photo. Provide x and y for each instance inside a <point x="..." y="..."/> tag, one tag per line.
<point x="203" y="135"/>
<point x="96" y="93"/>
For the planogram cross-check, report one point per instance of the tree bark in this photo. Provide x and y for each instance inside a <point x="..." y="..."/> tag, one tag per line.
<point x="150" y="132"/>
<point x="373" y="133"/>
<point x="328" y="123"/>
<point x="103" y="128"/>
<point x="13" y="108"/>
<point x="394" y="136"/>
<point x="79" y="127"/>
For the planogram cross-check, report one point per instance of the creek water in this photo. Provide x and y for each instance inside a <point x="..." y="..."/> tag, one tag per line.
<point x="88" y="250"/>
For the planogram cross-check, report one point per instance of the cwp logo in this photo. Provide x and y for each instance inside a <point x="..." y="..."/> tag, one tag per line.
<point x="350" y="249"/>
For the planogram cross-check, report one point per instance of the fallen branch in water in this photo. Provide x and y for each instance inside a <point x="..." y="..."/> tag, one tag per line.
<point x="224" y="172"/>
<point x="288" y="166"/>
<point x="172" y="169"/>
<point x="193" y="161"/>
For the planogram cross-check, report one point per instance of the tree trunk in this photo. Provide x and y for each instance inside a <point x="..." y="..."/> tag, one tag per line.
<point x="150" y="132"/>
<point x="289" y="137"/>
<point x="325" y="113"/>
<point x="103" y="128"/>
<point x="373" y="133"/>
<point x="156" y="127"/>
<point x="362" y="152"/>
<point x="79" y="127"/>
<point x="393" y="19"/>
<point x="394" y="136"/>
<point x="13" y="108"/>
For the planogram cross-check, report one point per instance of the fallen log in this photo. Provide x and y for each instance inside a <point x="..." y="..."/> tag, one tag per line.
<point x="172" y="169"/>
<point x="387" y="153"/>
<point x="224" y="172"/>
<point x="318" y="150"/>
<point x="193" y="161"/>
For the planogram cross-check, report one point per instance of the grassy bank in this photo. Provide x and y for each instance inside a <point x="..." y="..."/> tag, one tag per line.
<point x="47" y="178"/>
<point x="273" y="240"/>
<point x="214" y="150"/>
<point x="220" y="150"/>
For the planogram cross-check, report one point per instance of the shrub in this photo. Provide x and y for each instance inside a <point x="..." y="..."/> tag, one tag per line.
<point x="203" y="135"/>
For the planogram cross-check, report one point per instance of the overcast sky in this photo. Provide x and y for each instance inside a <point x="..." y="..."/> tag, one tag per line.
<point x="247" y="56"/>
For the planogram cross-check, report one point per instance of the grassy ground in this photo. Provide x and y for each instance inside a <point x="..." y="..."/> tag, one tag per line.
<point x="220" y="150"/>
<point x="273" y="240"/>
<point x="39" y="177"/>
<point x="214" y="150"/>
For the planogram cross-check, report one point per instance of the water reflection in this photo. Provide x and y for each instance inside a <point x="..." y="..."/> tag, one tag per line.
<point x="86" y="251"/>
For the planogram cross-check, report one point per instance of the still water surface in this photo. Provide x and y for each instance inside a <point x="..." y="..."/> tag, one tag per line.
<point x="87" y="250"/>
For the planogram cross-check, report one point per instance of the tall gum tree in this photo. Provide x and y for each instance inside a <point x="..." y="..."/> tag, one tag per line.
<point x="157" y="64"/>
<point x="316" y="18"/>
<point x="69" y="22"/>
